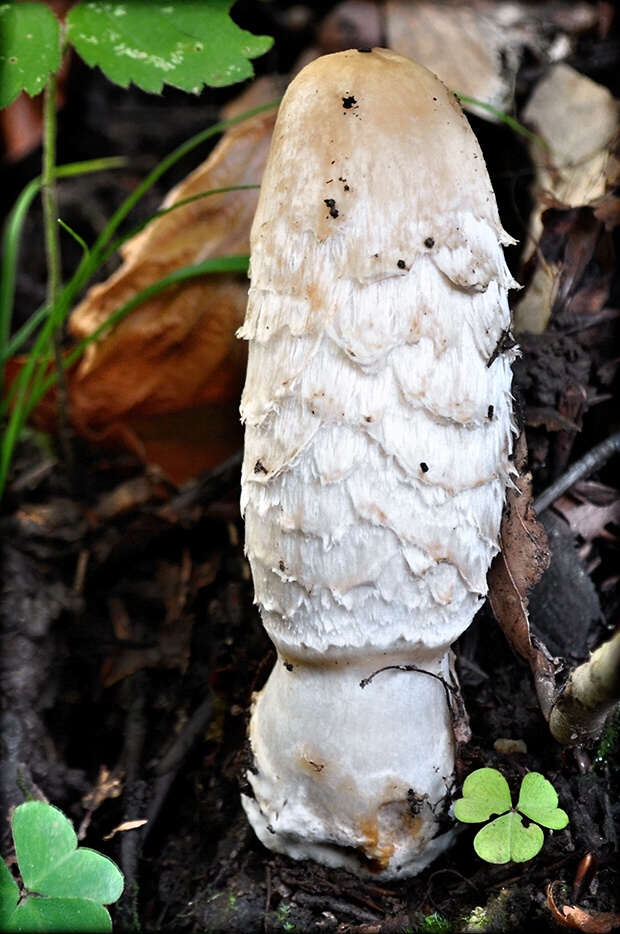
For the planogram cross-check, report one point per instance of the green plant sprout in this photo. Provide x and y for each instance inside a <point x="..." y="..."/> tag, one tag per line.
<point x="65" y="887"/>
<point x="283" y="915"/>
<point x="509" y="836"/>
<point x="435" y="923"/>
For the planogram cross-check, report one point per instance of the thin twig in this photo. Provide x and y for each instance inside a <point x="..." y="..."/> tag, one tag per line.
<point x="590" y="462"/>
<point x="134" y="796"/>
<point x="168" y="766"/>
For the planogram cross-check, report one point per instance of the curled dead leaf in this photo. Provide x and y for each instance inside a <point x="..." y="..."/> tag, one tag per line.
<point x="571" y="916"/>
<point x="109" y="785"/>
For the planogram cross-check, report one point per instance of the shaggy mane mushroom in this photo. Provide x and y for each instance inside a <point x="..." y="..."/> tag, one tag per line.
<point x="378" y="434"/>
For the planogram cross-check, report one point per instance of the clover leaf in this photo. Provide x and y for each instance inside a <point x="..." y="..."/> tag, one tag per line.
<point x="75" y="882"/>
<point x="538" y="800"/>
<point x="513" y="835"/>
<point x="485" y="792"/>
<point x="507" y="838"/>
<point x="9" y="895"/>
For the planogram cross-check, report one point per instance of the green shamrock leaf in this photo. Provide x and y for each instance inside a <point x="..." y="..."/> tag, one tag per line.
<point x="76" y="881"/>
<point x="513" y="835"/>
<point x="51" y="863"/>
<point x="485" y="793"/>
<point x="59" y="915"/>
<point x="507" y="838"/>
<point x="9" y="895"/>
<point x="538" y="800"/>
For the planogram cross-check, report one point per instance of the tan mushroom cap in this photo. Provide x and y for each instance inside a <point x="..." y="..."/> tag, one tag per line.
<point x="358" y="133"/>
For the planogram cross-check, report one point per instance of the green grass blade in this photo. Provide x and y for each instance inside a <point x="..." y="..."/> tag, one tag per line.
<point x="507" y="119"/>
<point x="11" y="241"/>
<point x="121" y="213"/>
<point x="79" y="240"/>
<point x="10" y="253"/>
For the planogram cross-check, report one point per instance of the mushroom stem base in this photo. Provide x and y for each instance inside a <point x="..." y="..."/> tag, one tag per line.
<point x="352" y="777"/>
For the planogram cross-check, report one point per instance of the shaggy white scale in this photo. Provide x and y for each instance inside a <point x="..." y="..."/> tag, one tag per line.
<point x="378" y="432"/>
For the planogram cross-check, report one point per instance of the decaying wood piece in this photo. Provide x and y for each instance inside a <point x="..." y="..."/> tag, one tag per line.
<point x="378" y="435"/>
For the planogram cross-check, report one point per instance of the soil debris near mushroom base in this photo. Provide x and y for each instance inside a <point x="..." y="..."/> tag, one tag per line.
<point x="458" y="886"/>
<point x="200" y="866"/>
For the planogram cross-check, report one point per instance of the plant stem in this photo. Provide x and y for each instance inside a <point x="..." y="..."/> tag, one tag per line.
<point x="590" y="694"/>
<point x="52" y="251"/>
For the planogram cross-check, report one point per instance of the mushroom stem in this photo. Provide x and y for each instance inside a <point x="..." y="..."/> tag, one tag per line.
<point x="378" y="433"/>
<point x="346" y="753"/>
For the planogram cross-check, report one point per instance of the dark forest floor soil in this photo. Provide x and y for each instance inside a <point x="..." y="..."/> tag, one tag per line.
<point x="131" y="647"/>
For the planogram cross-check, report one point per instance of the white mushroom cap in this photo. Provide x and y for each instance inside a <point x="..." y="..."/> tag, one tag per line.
<point x="378" y="433"/>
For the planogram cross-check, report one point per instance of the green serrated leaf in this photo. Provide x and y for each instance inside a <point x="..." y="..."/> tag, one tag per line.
<point x="538" y="800"/>
<point x="51" y="862"/>
<point x="183" y="43"/>
<point x="485" y="793"/>
<point x="59" y="915"/>
<point x="9" y="895"/>
<point x="507" y="838"/>
<point x="29" y="49"/>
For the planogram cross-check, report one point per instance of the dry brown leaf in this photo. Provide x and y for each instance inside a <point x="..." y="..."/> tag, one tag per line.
<point x="125" y="826"/>
<point x="578" y="119"/>
<point x="519" y="565"/>
<point x="109" y="785"/>
<point x="166" y="381"/>
<point x="590" y="508"/>
<point x="170" y="646"/>
<point x="170" y="651"/>
<point x="549" y="418"/>
<point x="573" y="242"/>
<point x="523" y="538"/>
<point x="571" y="916"/>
